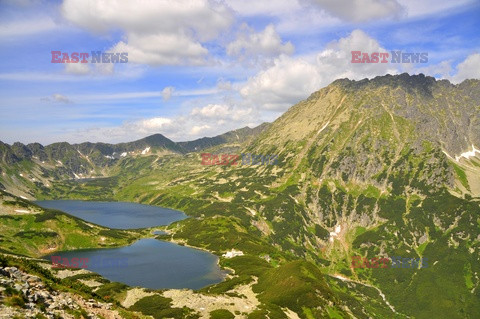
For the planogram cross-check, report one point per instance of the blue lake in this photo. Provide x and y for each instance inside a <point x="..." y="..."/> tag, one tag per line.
<point x="152" y="264"/>
<point x="116" y="214"/>
<point x="148" y="263"/>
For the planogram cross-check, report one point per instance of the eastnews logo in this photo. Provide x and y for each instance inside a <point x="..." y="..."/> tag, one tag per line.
<point x="85" y="262"/>
<point x="384" y="262"/>
<point x="231" y="159"/>
<point x="382" y="57"/>
<point x="97" y="57"/>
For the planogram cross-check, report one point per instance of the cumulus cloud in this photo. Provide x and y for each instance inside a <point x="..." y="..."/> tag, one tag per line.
<point x="200" y="123"/>
<point x="251" y="45"/>
<point x="362" y="11"/>
<point x="156" y="32"/>
<point x="151" y="125"/>
<point x="291" y="79"/>
<point x="468" y="69"/>
<point x="163" y="49"/>
<point x="211" y="110"/>
<point x="286" y="82"/>
<point x="255" y="7"/>
<point x="77" y="68"/>
<point x="199" y="129"/>
<point x="219" y="112"/>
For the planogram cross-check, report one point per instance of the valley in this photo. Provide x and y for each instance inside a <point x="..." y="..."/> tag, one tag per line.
<point x="367" y="168"/>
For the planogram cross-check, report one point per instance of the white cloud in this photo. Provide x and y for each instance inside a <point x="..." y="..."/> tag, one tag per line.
<point x="468" y="69"/>
<point x="163" y="49"/>
<point x="199" y="129"/>
<point x="251" y="45"/>
<point x="61" y="98"/>
<point x="156" y="32"/>
<point x="292" y="79"/>
<point x="336" y="60"/>
<point x="415" y="8"/>
<point x="255" y="7"/>
<point x="208" y="120"/>
<point x="287" y="14"/>
<point x="362" y="11"/>
<point x="57" y="98"/>
<point x="211" y="110"/>
<point x="155" y="123"/>
<point x="218" y="112"/>
<point x="70" y="75"/>
<point x="286" y="82"/>
<point x="441" y="70"/>
<point x="144" y="94"/>
<point x="26" y="27"/>
<point x="167" y="93"/>
<point x="224" y="85"/>
<point x="77" y="68"/>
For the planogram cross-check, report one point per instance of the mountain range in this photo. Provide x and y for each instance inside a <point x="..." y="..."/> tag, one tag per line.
<point x="380" y="167"/>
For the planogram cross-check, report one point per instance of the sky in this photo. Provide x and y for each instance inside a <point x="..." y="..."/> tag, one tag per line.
<point x="201" y="68"/>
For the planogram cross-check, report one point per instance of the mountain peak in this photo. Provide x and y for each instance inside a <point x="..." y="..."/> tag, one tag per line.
<point x="412" y="83"/>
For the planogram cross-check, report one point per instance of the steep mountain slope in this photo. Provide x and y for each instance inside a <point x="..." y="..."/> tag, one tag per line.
<point x="355" y="131"/>
<point x="373" y="168"/>
<point x="392" y="164"/>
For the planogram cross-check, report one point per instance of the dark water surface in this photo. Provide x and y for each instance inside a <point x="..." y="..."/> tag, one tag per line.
<point x="116" y="214"/>
<point x="152" y="264"/>
<point x="147" y="263"/>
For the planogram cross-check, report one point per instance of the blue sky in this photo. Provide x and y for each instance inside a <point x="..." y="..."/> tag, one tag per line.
<point x="200" y="68"/>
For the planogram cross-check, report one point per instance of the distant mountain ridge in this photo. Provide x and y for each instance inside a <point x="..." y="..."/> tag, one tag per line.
<point x="63" y="160"/>
<point x="238" y="136"/>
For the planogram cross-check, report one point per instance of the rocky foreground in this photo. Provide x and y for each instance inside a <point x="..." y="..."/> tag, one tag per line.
<point x="26" y="295"/>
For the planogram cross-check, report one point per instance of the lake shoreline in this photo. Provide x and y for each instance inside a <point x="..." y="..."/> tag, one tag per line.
<point x="159" y="263"/>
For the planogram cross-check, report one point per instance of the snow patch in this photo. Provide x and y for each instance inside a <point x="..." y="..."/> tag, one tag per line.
<point x="340" y="277"/>
<point x="338" y="229"/>
<point x="123" y="154"/>
<point x="251" y="211"/>
<point x="21" y="174"/>
<point x="21" y="211"/>
<point x="233" y="253"/>
<point x="110" y="157"/>
<point x="335" y="233"/>
<point x="145" y="151"/>
<point x="468" y="154"/>
<point x="23" y="197"/>
<point x="323" y="127"/>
